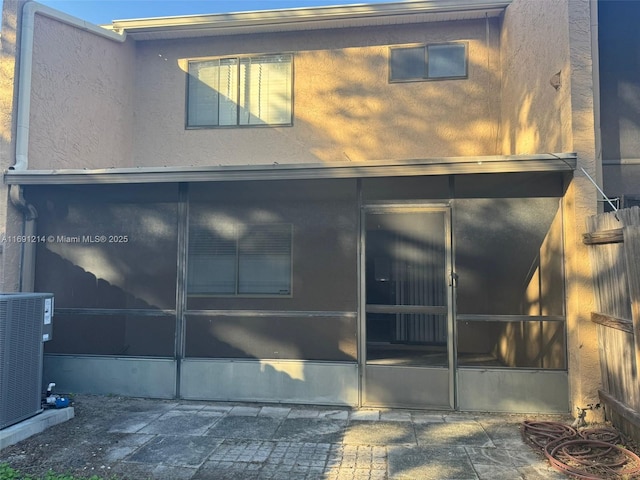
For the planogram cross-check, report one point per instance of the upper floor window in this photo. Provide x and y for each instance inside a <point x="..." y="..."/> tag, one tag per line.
<point x="428" y="62"/>
<point x="240" y="91"/>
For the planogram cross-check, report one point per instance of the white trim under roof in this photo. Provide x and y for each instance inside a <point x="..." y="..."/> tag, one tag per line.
<point x="309" y="18"/>
<point x="546" y="162"/>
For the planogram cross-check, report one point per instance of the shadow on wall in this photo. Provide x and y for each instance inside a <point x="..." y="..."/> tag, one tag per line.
<point x="120" y="297"/>
<point x="507" y="269"/>
<point x="108" y="256"/>
<point x="536" y="110"/>
<point x="365" y="117"/>
<point x="132" y="328"/>
<point x="345" y="108"/>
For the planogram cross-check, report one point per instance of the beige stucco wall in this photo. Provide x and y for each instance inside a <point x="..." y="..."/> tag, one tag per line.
<point x="100" y="104"/>
<point x="581" y="202"/>
<point x="81" y="99"/>
<point x="534" y="48"/>
<point x="344" y="107"/>
<point x="540" y="39"/>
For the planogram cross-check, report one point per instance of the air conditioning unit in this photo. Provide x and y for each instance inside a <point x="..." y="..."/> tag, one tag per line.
<point x="25" y="323"/>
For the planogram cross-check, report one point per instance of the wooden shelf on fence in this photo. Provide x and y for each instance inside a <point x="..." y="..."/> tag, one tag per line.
<point x="613" y="322"/>
<point x="603" y="236"/>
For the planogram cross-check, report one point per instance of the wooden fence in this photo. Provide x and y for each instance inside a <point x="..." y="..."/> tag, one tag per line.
<point x="614" y="240"/>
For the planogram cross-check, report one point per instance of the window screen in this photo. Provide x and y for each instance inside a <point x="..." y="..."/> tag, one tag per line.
<point x="240" y="91"/>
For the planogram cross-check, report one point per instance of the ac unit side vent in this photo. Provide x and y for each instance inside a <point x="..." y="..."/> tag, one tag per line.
<point x="21" y="352"/>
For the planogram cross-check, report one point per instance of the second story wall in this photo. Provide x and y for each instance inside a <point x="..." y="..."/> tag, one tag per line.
<point x="81" y="99"/>
<point x="344" y="107"/>
<point x="96" y="103"/>
<point x="536" y="105"/>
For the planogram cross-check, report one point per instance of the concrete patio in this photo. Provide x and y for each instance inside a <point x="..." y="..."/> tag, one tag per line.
<point x="176" y="440"/>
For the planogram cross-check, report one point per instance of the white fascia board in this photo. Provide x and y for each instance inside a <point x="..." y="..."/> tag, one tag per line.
<point x="546" y="162"/>
<point x="300" y="18"/>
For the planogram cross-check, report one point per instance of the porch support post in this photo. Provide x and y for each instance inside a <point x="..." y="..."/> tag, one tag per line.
<point x="580" y="203"/>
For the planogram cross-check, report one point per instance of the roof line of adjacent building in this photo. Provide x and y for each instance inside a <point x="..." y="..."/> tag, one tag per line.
<point x="302" y="18"/>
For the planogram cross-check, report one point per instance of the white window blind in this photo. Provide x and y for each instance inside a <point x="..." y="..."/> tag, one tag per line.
<point x="213" y="92"/>
<point x="228" y="92"/>
<point x="265" y="90"/>
<point x="265" y="260"/>
<point x="240" y="91"/>
<point x="252" y="260"/>
<point x="212" y="262"/>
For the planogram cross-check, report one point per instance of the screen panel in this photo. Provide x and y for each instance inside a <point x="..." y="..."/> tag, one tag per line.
<point x="271" y="337"/>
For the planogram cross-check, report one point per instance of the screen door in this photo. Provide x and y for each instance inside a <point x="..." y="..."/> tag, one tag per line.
<point x="406" y="346"/>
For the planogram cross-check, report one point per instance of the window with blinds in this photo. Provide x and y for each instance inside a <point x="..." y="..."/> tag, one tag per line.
<point x="240" y="91"/>
<point x="246" y="260"/>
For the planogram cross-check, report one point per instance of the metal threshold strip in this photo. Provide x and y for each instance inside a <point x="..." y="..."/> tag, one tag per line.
<point x="547" y="162"/>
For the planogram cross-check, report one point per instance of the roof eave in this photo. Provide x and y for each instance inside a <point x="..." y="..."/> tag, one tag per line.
<point x="548" y="162"/>
<point x="300" y="18"/>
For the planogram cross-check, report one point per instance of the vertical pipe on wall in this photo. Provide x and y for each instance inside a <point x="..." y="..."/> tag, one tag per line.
<point x="27" y="248"/>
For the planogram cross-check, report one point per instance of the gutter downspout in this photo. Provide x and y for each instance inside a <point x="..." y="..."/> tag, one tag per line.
<point x="27" y="249"/>
<point x="16" y="194"/>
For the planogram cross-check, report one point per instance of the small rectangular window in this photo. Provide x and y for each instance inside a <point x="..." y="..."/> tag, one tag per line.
<point x="240" y="91"/>
<point x="241" y="260"/>
<point x="428" y="62"/>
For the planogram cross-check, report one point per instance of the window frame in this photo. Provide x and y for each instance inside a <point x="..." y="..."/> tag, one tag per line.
<point x="239" y="59"/>
<point x="237" y="279"/>
<point x="427" y="77"/>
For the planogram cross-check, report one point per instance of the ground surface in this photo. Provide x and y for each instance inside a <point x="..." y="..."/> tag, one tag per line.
<point x="78" y="446"/>
<point x="138" y="439"/>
